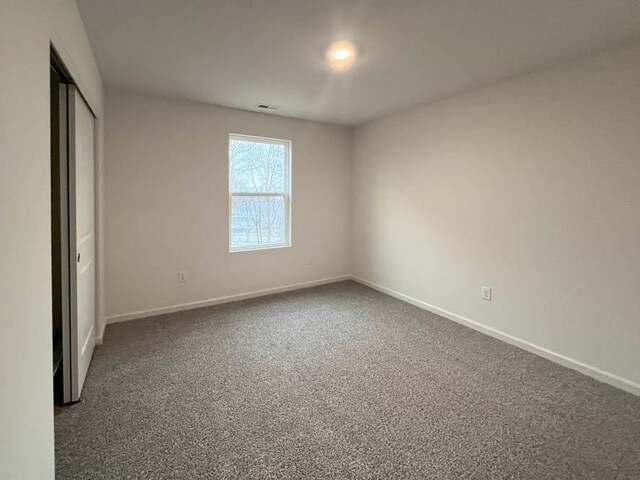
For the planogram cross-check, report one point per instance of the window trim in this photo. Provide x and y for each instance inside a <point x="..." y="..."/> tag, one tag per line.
<point x="287" y="194"/>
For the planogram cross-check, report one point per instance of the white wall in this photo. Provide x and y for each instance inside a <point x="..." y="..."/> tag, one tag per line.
<point x="530" y="186"/>
<point x="167" y="204"/>
<point x="26" y="398"/>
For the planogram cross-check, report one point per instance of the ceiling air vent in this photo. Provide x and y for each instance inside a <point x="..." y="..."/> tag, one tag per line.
<point x="266" y="106"/>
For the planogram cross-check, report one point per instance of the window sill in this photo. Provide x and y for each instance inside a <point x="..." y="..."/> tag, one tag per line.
<point x="262" y="247"/>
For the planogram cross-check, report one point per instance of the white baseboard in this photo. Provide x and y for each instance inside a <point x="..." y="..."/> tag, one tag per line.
<point x="217" y="301"/>
<point x="594" y="372"/>
<point x="100" y="334"/>
<point x="598" y="374"/>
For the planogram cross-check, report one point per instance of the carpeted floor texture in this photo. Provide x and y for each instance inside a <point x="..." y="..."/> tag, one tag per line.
<point x="338" y="381"/>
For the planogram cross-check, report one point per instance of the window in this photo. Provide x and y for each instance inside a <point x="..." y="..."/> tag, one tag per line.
<point x="259" y="192"/>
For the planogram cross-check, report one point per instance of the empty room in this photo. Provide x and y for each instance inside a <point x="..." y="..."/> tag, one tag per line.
<point x="319" y="239"/>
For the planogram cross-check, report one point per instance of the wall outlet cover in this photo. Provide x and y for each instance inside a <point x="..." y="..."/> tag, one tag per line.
<point x="486" y="293"/>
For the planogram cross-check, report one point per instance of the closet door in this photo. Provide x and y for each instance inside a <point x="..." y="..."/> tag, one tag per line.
<point x="83" y="240"/>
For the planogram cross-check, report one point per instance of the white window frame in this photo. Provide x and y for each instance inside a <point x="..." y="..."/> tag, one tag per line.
<point x="286" y="195"/>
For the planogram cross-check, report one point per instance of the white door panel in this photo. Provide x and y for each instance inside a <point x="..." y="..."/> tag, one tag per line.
<point x="82" y="218"/>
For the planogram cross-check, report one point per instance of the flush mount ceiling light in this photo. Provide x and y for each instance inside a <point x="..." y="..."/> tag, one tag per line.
<point x="342" y="54"/>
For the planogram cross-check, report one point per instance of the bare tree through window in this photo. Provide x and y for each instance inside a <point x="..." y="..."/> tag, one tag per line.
<point x="259" y="192"/>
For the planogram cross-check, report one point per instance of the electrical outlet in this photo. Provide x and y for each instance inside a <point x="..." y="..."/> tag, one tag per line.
<point x="486" y="293"/>
<point x="182" y="276"/>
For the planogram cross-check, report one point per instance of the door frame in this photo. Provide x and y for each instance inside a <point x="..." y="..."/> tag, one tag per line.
<point x="61" y="265"/>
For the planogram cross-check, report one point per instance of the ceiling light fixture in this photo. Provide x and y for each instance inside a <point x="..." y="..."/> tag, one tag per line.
<point x="342" y="54"/>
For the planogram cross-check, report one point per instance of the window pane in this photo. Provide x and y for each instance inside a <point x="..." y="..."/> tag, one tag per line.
<point x="256" y="166"/>
<point x="257" y="221"/>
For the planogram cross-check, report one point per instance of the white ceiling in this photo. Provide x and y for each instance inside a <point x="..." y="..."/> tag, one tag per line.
<point x="239" y="53"/>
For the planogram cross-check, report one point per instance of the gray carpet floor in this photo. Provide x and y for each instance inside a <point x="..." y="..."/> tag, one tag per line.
<point x="338" y="381"/>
